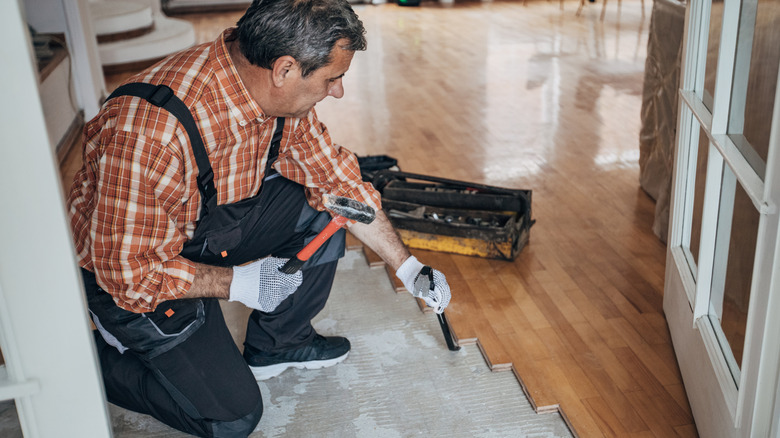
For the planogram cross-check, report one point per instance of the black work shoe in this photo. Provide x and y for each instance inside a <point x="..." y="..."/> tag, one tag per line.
<point x="321" y="352"/>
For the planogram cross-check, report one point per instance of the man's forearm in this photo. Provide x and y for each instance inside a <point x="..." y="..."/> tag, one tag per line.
<point x="211" y="282"/>
<point x="382" y="238"/>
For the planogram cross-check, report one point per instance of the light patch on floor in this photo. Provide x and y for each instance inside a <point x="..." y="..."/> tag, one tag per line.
<point x="399" y="380"/>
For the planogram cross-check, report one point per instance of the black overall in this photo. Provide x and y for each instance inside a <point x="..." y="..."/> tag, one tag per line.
<point x="182" y="367"/>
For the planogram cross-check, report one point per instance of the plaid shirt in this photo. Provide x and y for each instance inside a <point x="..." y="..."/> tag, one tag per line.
<point x="135" y="201"/>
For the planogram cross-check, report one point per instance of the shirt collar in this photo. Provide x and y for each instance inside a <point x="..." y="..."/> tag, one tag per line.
<point x="243" y="107"/>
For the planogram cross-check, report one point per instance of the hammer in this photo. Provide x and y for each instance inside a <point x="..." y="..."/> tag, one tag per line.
<point x="344" y="209"/>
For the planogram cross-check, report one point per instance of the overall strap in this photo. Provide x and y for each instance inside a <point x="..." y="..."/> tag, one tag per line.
<point x="162" y="96"/>
<point x="273" y="151"/>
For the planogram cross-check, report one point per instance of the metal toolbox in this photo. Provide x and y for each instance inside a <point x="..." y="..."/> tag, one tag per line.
<point x="458" y="217"/>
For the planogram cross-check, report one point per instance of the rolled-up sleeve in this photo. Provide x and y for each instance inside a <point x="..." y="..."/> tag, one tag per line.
<point x="311" y="159"/>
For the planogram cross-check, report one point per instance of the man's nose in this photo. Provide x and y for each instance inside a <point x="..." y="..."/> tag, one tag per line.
<point x="336" y="89"/>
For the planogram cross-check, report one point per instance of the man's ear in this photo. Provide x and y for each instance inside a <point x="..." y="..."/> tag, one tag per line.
<point x="283" y="68"/>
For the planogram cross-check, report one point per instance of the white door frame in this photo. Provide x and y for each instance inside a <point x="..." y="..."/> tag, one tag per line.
<point x="51" y="365"/>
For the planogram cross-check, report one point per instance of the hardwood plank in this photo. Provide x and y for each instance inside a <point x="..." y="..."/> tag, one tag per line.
<point x="665" y="352"/>
<point x="658" y="323"/>
<point x="584" y="305"/>
<point x="352" y="242"/>
<point x="523" y="301"/>
<point x="561" y="354"/>
<point x="620" y="281"/>
<point x="627" y="415"/>
<point x="665" y="372"/>
<point x="673" y="408"/>
<point x="606" y="358"/>
<point x="648" y="408"/>
<point x="472" y="268"/>
<point x="373" y="259"/>
<point x="398" y="285"/>
<point x="644" y="434"/>
<point x="627" y="309"/>
<point x="584" y="424"/>
<point x="686" y="431"/>
<point x="593" y="294"/>
<point x="608" y="422"/>
<point x="640" y="261"/>
<point x="677" y="391"/>
<point x="553" y="290"/>
<point x="493" y="350"/>
<point x="525" y="340"/>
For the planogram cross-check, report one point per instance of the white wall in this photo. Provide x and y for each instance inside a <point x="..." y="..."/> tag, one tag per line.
<point x="44" y="329"/>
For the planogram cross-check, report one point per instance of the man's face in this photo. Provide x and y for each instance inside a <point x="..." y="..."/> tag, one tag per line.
<point x="301" y="94"/>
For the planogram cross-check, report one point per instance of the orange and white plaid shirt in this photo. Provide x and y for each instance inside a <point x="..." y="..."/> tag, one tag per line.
<point x="135" y="201"/>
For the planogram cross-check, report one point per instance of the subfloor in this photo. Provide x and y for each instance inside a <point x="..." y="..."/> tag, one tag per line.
<point x="533" y="97"/>
<point x="400" y="380"/>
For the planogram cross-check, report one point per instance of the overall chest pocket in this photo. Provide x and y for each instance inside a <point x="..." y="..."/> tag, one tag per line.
<point x="219" y="234"/>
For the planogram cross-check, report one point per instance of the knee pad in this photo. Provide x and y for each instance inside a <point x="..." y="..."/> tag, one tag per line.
<point x="238" y="428"/>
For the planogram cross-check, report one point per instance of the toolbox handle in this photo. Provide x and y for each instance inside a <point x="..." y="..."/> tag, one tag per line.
<point x="382" y="177"/>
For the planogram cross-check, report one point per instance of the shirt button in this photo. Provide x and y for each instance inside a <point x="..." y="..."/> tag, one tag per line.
<point x="242" y="123"/>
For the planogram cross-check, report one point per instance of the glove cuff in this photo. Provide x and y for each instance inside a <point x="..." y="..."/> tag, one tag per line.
<point x="245" y="285"/>
<point x="408" y="272"/>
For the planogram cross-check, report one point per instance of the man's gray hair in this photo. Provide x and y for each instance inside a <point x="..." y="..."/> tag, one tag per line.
<point x="307" y="30"/>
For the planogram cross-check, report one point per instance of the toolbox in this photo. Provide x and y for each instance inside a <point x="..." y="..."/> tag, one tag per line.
<point x="452" y="216"/>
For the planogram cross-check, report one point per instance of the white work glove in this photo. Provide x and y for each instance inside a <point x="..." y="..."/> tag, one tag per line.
<point x="416" y="279"/>
<point x="260" y="285"/>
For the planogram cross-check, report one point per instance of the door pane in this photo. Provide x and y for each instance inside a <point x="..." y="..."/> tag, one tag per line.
<point x="10" y="413"/>
<point x="698" y="199"/>
<point x="734" y="254"/>
<point x="713" y="45"/>
<point x="753" y="95"/>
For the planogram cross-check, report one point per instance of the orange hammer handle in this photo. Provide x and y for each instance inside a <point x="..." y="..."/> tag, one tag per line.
<point x="333" y="226"/>
<point x="296" y="262"/>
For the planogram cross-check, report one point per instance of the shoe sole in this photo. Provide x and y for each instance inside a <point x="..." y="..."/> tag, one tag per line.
<point x="267" y="372"/>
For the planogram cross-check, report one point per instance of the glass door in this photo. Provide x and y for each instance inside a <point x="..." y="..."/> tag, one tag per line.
<point x="723" y="239"/>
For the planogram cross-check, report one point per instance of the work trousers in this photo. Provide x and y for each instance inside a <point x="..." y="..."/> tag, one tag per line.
<point x="179" y="363"/>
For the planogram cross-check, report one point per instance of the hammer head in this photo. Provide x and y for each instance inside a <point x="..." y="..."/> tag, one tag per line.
<point x="349" y="208"/>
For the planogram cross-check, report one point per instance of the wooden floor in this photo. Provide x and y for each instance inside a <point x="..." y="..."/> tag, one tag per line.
<point x="531" y="97"/>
